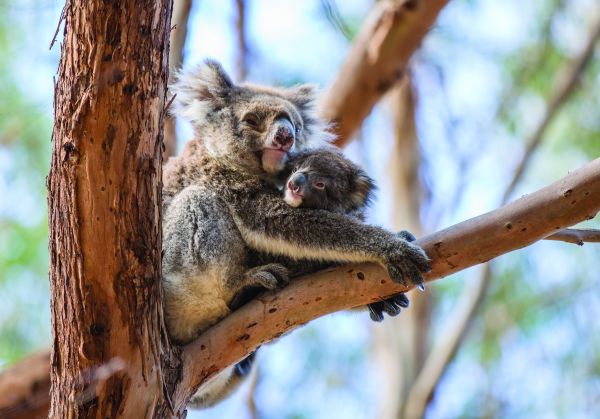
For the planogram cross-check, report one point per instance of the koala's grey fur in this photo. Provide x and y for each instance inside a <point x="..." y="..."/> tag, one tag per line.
<point x="345" y="189"/>
<point x="220" y="201"/>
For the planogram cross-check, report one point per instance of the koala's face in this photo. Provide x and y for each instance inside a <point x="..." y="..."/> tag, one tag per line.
<point x="252" y="127"/>
<point x="325" y="179"/>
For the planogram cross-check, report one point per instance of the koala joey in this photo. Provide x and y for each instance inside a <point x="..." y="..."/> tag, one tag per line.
<point x="220" y="201"/>
<point x="324" y="179"/>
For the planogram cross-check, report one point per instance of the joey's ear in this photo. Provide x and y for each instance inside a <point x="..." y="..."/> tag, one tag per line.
<point x="363" y="189"/>
<point x="200" y="89"/>
<point x="304" y="95"/>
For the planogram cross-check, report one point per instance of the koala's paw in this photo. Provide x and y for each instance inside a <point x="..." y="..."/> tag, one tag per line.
<point x="268" y="276"/>
<point x="406" y="262"/>
<point x="392" y="306"/>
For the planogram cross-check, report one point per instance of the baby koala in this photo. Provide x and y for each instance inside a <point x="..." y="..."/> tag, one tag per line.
<point x="325" y="179"/>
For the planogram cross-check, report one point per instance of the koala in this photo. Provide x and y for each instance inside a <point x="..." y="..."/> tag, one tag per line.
<point x="220" y="201"/>
<point x="324" y="179"/>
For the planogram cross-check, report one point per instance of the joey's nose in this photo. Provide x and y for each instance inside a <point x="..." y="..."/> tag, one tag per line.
<point x="297" y="182"/>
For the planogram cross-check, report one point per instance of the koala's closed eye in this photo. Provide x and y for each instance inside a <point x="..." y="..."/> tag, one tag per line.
<point x="252" y="120"/>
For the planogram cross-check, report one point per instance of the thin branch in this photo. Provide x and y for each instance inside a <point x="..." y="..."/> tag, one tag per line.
<point x="179" y="20"/>
<point x="251" y="397"/>
<point x="242" y="64"/>
<point x="60" y="20"/>
<point x="377" y="59"/>
<point x="531" y="218"/>
<point x="402" y="344"/>
<point x="565" y="85"/>
<point x="335" y="18"/>
<point x="576" y="236"/>
<point x="445" y="349"/>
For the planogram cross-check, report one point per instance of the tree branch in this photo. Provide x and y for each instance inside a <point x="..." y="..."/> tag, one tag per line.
<point x="576" y="236"/>
<point x="25" y="388"/>
<point x="242" y="43"/>
<point x="565" y="85"/>
<point x="393" y="31"/>
<point x="531" y="218"/>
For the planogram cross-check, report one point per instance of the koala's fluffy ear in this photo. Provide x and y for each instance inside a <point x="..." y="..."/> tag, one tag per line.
<point x="303" y="96"/>
<point x="363" y="189"/>
<point x="201" y="89"/>
<point x="317" y="131"/>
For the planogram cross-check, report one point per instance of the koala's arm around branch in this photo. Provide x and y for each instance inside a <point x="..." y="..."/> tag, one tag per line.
<point x="566" y="202"/>
<point x="302" y="233"/>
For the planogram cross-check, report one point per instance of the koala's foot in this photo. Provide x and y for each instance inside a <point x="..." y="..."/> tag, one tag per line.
<point x="391" y="306"/>
<point x="268" y="276"/>
<point x="406" y="262"/>
<point x="258" y="279"/>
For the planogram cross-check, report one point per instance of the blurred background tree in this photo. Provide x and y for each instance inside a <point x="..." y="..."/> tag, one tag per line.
<point x="25" y="124"/>
<point x="443" y="146"/>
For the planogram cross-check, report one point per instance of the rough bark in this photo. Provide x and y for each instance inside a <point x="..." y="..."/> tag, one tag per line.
<point x="531" y="218"/>
<point x="104" y="192"/>
<point x="377" y="60"/>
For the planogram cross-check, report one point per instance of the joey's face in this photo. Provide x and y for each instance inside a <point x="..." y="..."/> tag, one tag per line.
<point x="248" y="126"/>
<point x="324" y="179"/>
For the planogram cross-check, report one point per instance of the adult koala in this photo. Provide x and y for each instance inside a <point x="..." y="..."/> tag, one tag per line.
<point x="219" y="201"/>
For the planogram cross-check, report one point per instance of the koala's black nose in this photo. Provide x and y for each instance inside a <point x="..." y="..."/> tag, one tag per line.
<point x="297" y="182"/>
<point x="284" y="135"/>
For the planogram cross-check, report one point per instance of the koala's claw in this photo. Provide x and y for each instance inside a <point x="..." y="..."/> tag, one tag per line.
<point x="401" y="299"/>
<point x="392" y="306"/>
<point x="268" y="276"/>
<point x="406" y="262"/>
<point x="375" y="312"/>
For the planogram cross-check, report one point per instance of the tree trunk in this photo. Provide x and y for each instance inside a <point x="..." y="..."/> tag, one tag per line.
<point x="104" y="192"/>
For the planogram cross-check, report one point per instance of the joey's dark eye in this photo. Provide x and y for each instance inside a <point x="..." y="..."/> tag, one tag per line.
<point x="319" y="185"/>
<point x="252" y="120"/>
<point x="295" y="169"/>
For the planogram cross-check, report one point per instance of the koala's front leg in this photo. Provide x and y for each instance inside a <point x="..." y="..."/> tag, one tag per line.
<point x="303" y="233"/>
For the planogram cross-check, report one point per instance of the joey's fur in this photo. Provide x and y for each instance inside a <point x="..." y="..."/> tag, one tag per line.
<point x="324" y="179"/>
<point x="219" y="201"/>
